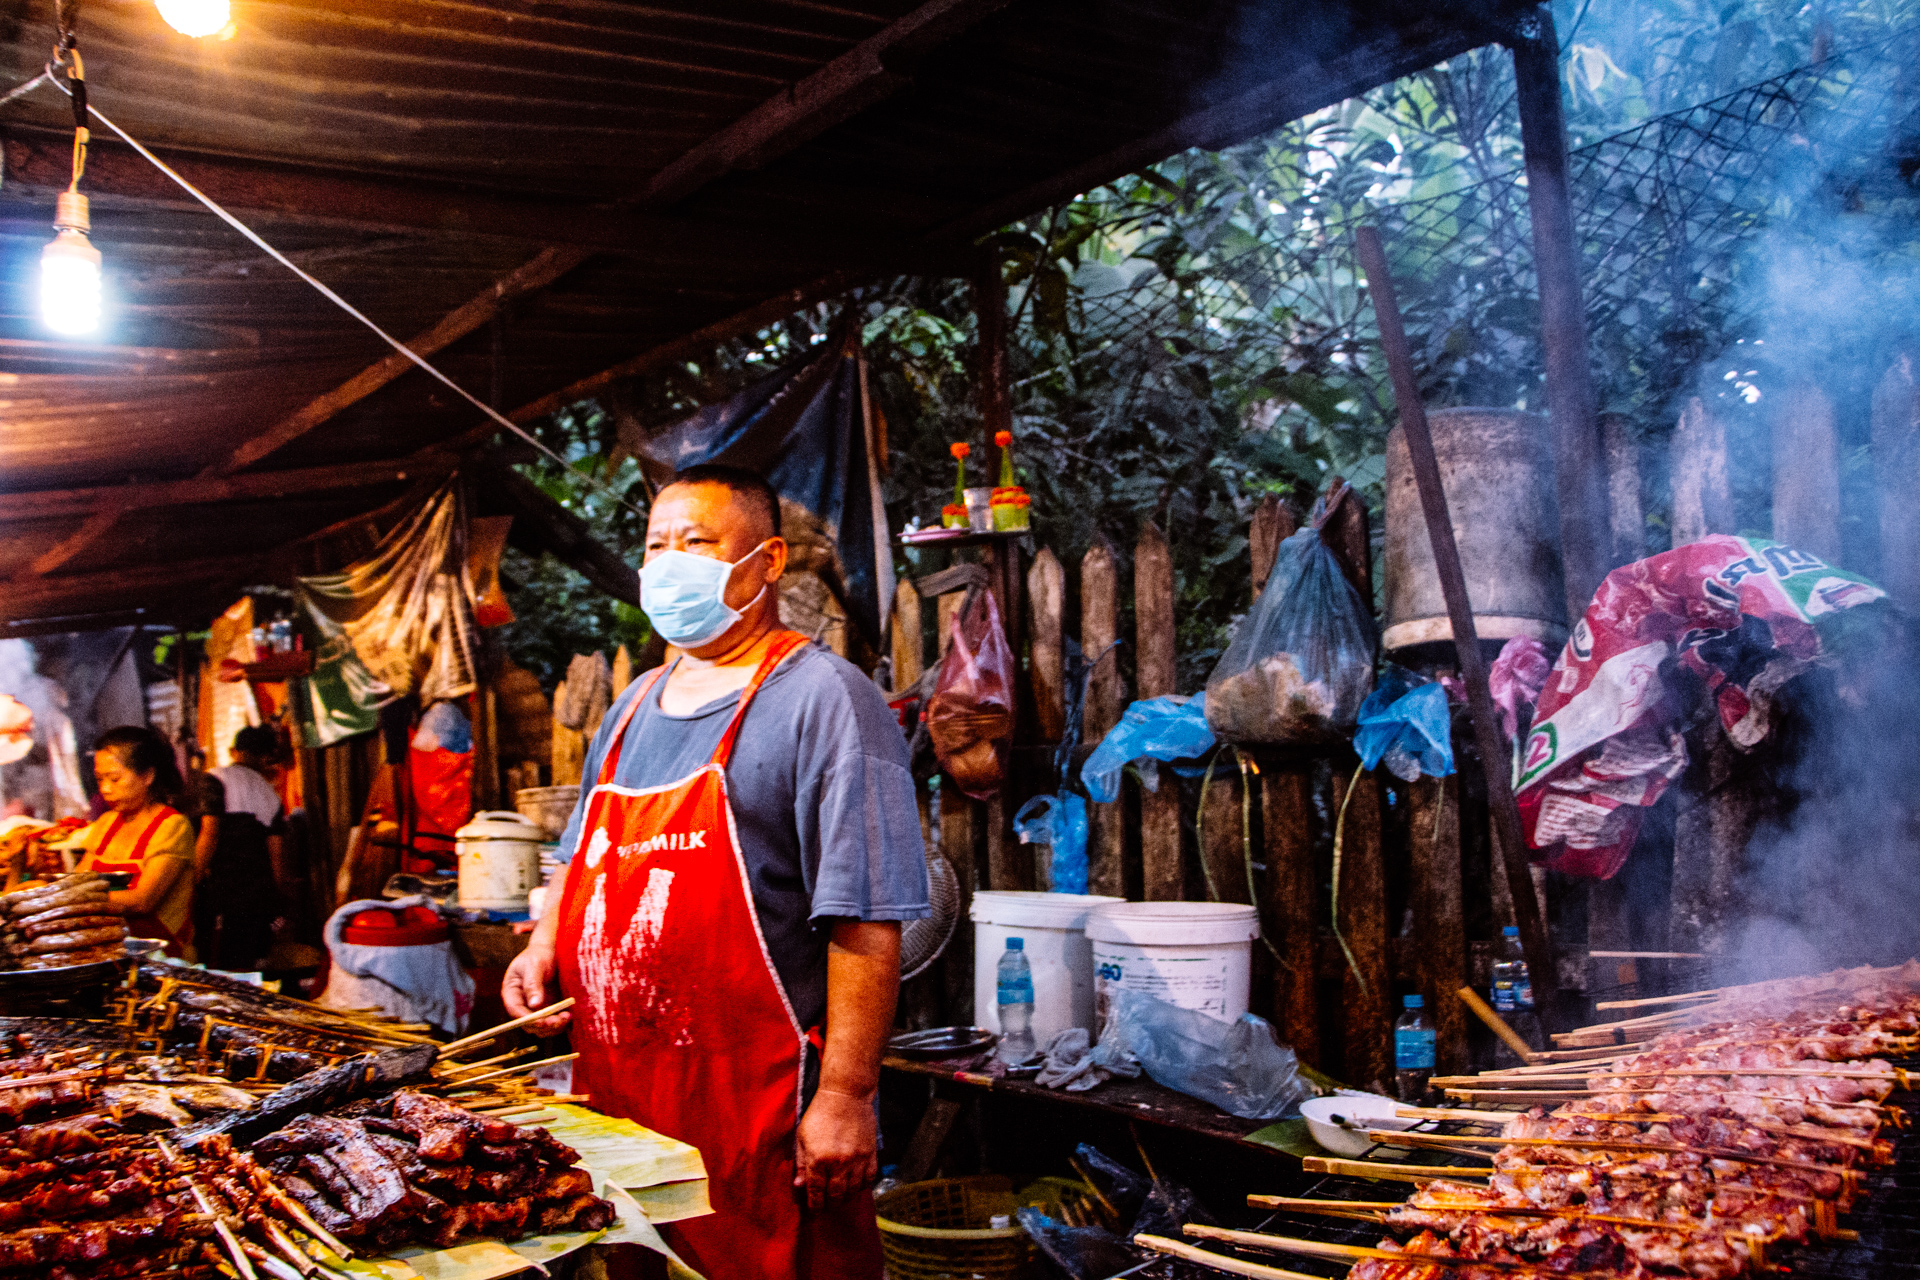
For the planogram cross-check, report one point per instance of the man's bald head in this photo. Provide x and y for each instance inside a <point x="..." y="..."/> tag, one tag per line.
<point x="750" y="489"/>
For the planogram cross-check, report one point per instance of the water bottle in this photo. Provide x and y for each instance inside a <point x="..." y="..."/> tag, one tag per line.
<point x="1412" y="1052"/>
<point x="1512" y="988"/>
<point x="1016" y="1003"/>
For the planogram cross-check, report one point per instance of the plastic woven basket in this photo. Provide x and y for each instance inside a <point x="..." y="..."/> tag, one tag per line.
<point x="938" y="1231"/>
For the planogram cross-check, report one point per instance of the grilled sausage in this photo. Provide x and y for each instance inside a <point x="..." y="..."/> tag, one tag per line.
<point x="74" y="924"/>
<point x="80" y="939"/>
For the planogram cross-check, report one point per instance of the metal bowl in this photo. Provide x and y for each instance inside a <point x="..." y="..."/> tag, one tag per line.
<point x="942" y="1042"/>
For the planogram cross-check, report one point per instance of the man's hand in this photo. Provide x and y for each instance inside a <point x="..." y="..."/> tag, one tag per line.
<point x="531" y="983"/>
<point x="839" y="1147"/>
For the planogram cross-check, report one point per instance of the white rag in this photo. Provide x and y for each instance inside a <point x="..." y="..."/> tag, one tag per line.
<point x="422" y="983"/>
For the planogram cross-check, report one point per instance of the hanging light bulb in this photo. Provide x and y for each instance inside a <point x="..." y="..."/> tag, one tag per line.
<point x="70" y="266"/>
<point x="70" y="271"/>
<point x="196" y="17"/>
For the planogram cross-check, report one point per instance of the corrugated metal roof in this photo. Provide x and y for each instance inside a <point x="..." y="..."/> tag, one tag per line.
<point x="412" y="152"/>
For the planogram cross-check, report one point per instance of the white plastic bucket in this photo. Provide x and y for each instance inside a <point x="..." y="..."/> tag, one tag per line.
<point x="1198" y="955"/>
<point x="1051" y="927"/>
<point x="499" y="861"/>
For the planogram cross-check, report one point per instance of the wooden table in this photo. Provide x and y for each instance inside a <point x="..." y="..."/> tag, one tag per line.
<point x="1139" y="1100"/>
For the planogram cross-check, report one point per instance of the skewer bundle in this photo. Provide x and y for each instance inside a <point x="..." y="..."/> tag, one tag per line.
<point x="1713" y="1137"/>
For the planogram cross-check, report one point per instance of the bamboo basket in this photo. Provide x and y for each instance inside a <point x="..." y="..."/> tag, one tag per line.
<point x="938" y="1230"/>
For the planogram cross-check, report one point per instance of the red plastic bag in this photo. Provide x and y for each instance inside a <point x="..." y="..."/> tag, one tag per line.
<point x="970" y="716"/>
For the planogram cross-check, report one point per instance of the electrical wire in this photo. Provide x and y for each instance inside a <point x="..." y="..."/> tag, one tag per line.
<point x="259" y="242"/>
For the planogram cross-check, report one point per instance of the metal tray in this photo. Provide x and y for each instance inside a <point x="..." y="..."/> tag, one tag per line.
<point x="73" y="977"/>
<point x="943" y="1042"/>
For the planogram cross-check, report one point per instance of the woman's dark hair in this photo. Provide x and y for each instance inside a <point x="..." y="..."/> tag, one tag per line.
<point x="144" y="751"/>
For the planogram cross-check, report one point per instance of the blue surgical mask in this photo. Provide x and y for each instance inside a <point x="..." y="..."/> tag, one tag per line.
<point x="685" y="596"/>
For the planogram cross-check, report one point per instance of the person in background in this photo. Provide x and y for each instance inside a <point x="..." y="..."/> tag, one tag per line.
<point x="243" y="879"/>
<point x="142" y="835"/>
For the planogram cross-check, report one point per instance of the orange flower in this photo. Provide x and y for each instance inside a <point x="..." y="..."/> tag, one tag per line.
<point x="960" y="448"/>
<point x="1003" y="438"/>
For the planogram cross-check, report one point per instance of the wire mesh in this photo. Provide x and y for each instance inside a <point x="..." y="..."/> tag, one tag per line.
<point x="1669" y="215"/>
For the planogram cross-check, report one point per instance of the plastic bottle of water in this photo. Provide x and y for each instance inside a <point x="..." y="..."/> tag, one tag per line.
<point x="1512" y="988"/>
<point x="1412" y="1052"/>
<point x="1016" y="1003"/>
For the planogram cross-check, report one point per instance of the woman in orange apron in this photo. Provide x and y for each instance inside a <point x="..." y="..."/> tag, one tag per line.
<point x="143" y="836"/>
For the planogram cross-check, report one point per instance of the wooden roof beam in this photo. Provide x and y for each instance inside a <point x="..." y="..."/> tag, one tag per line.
<point x="867" y="73"/>
<point x="41" y="163"/>
<point x="55" y="504"/>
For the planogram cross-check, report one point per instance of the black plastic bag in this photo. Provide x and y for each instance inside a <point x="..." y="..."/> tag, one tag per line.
<point x="1081" y="1253"/>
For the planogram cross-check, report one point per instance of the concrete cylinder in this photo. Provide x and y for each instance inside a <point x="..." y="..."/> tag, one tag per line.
<point x="1496" y="466"/>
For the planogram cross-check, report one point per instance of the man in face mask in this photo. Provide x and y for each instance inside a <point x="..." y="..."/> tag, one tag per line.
<point x="745" y="847"/>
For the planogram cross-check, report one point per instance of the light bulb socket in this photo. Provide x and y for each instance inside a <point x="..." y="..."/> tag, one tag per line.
<point x="70" y="213"/>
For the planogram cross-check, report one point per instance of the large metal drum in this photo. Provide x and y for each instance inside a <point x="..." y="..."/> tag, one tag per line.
<point x="1497" y="468"/>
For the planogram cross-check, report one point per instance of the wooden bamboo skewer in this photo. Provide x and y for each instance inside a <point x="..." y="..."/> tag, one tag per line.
<point x="1218" y="1261"/>
<point x="1385" y="1172"/>
<point x="1355" y="1252"/>
<point x="462" y="1045"/>
<point x="220" y="1227"/>
<point x="1538" y="1097"/>
<point x="486" y="1062"/>
<point x="1454" y="1113"/>
<point x="1498" y="1025"/>
<point x="1450" y="1142"/>
<point x="519" y="1069"/>
<point x="1893" y="1076"/>
<point x="1335" y="1208"/>
<point x="1360" y="1210"/>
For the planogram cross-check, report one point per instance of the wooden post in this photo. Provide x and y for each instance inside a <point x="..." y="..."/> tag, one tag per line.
<point x="1896" y="468"/>
<point x="1047" y="592"/>
<point x="946" y="606"/>
<point x="1099" y="627"/>
<point x="1292" y="908"/>
<point x="1709" y="841"/>
<point x="1571" y="403"/>
<point x="907" y="636"/>
<point x="996" y="405"/>
<point x="1223" y="833"/>
<point x="486" y="752"/>
<point x="956" y="843"/>
<point x="1439" y="924"/>
<point x="1272" y="525"/>
<point x="1806" y="472"/>
<point x="1626" y="519"/>
<point x="1702" y="497"/>
<point x="1350" y="539"/>
<point x="1161" y="872"/>
<point x="1363" y="921"/>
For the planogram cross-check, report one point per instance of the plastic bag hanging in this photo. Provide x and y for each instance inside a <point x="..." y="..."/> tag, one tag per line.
<point x="1302" y="662"/>
<point x="1406" y="724"/>
<point x="1060" y="822"/>
<point x="970" y="716"/>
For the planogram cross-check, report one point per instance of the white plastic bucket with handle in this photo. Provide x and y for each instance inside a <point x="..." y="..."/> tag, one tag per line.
<point x="1052" y="928"/>
<point x="1197" y="955"/>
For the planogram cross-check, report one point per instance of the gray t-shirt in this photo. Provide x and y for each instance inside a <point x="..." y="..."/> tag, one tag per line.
<point x="822" y="798"/>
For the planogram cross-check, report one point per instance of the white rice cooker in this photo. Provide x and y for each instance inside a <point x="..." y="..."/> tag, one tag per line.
<point x="499" y="861"/>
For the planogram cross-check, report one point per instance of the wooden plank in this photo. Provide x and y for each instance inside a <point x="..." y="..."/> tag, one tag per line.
<point x="53" y="504"/>
<point x="1439" y="917"/>
<point x="908" y="636"/>
<point x="1896" y="469"/>
<point x="1572" y="405"/>
<point x="1047" y="594"/>
<point x="956" y="843"/>
<point x="1099" y="627"/>
<point x="990" y="374"/>
<point x="1709" y="843"/>
<point x="1009" y="863"/>
<point x="1626" y="518"/>
<point x="936" y="1122"/>
<point x="1223" y="833"/>
<point x="546" y="267"/>
<point x="1162" y="875"/>
<point x="1702" y="498"/>
<point x="1272" y="524"/>
<point x="1292" y="905"/>
<point x="1806" y="472"/>
<point x="1350" y="539"/>
<point x="1365" y="993"/>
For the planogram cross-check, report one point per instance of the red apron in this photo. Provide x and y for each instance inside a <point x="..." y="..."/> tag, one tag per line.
<point x="147" y="926"/>
<point x="682" y="1023"/>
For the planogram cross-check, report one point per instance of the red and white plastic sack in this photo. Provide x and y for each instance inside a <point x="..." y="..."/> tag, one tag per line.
<point x="1744" y="614"/>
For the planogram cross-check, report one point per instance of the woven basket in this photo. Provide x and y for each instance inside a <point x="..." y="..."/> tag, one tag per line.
<point x="938" y="1231"/>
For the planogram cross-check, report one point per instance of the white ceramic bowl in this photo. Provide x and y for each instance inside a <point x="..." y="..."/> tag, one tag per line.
<point x="1364" y="1110"/>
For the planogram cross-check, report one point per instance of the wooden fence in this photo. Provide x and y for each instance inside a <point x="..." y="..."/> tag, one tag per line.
<point x="1418" y="903"/>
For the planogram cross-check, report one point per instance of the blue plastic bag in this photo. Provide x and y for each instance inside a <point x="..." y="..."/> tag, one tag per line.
<point x="1059" y="821"/>
<point x="1407" y="726"/>
<point x="1169" y="728"/>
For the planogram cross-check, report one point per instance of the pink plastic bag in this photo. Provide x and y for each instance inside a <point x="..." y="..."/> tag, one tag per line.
<point x="970" y="716"/>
